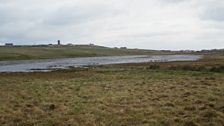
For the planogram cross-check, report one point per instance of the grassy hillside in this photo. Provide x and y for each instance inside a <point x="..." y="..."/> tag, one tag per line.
<point x="147" y="94"/>
<point x="18" y="53"/>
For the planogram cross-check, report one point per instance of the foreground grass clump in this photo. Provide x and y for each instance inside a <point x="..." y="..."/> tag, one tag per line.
<point x="115" y="95"/>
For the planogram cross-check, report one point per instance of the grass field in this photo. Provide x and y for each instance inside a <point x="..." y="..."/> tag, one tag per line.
<point x="21" y="53"/>
<point x="147" y="94"/>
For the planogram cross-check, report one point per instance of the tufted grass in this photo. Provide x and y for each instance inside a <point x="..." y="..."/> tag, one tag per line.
<point x="116" y="95"/>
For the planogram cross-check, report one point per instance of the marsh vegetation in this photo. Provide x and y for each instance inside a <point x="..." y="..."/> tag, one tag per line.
<point x="169" y="93"/>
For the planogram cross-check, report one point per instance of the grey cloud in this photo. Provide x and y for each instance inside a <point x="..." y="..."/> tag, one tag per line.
<point x="76" y="15"/>
<point x="67" y="16"/>
<point x="150" y="34"/>
<point x="66" y="23"/>
<point x="131" y="23"/>
<point x="7" y="15"/>
<point x="174" y="1"/>
<point x="214" y="12"/>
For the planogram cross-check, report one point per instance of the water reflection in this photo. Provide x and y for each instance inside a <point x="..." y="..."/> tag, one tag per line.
<point x="52" y="64"/>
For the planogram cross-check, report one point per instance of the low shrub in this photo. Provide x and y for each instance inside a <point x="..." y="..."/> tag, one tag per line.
<point x="188" y="68"/>
<point x="218" y="69"/>
<point x="154" y="66"/>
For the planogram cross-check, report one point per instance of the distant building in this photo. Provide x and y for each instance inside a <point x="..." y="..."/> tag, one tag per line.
<point x="69" y="44"/>
<point x="91" y="44"/>
<point x="59" y="42"/>
<point x="123" y="47"/>
<point x="8" y="44"/>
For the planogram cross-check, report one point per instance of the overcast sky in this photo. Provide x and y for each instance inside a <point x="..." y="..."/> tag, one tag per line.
<point x="148" y="24"/>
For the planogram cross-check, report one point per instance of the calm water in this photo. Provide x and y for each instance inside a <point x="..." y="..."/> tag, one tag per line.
<point x="53" y="64"/>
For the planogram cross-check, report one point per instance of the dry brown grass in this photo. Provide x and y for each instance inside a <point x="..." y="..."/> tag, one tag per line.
<point x="115" y="95"/>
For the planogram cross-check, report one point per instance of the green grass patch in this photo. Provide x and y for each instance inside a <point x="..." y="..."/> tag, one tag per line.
<point x="23" y="53"/>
